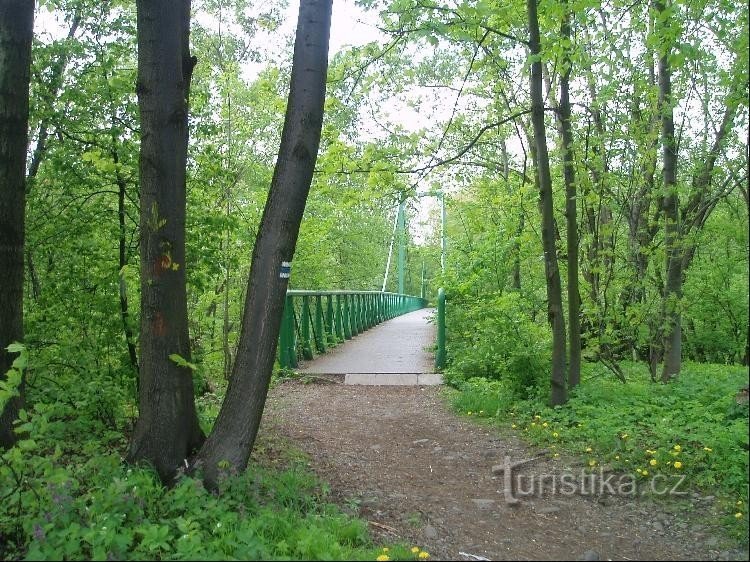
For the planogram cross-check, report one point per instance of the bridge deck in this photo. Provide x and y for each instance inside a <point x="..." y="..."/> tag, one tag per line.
<point x="397" y="351"/>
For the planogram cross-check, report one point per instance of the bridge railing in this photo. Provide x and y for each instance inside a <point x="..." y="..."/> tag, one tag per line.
<point x="314" y="321"/>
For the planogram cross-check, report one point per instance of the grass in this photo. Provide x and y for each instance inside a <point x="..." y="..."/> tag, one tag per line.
<point x="692" y="426"/>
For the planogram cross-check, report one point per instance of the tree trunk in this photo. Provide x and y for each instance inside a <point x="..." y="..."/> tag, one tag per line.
<point x="574" y="305"/>
<point x="672" y="341"/>
<point x="123" y="255"/>
<point x="554" y="289"/>
<point x="235" y="430"/>
<point x="16" y="32"/>
<point x="167" y="431"/>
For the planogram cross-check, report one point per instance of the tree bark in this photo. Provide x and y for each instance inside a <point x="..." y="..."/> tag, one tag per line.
<point x="16" y="33"/>
<point x="167" y="431"/>
<point x="556" y="318"/>
<point x="574" y="305"/>
<point x="233" y="436"/>
<point x="672" y="340"/>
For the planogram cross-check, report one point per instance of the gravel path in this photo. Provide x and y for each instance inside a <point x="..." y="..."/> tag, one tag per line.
<point x="397" y="457"/>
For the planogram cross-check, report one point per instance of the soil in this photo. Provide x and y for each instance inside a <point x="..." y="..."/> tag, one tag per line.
<point x="418" y="473"/>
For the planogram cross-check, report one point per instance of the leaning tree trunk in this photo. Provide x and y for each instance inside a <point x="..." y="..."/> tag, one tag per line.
<point x="554" y="287"/>
<point x="235" y="430"/>
<point x="672" y="326"/>
<point x="571" y="213"/>
<point x="16" y="32"/>
<point x="167" y="431"/>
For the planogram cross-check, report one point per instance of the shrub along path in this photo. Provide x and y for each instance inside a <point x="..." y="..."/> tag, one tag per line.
<point x="399" y="458"/>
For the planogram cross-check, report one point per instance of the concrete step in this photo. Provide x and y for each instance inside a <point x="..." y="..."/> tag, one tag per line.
<point x="394" y="379"/>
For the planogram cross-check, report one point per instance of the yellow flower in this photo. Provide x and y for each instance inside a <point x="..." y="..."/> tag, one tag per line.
<point x="415" y="549"/>
<point x="385" y="549"/>
<point x="707" y="449"/>
<point x="644" y="473"/>
<point x="533" y="424"/>
<point x="650" y="452"/>
<point x="537" y="417"/>
<point x="617" y="457"/>
<point x="513" y="426"/>
<point x="424" y="555"/>
<point x="738" y="515"/>
<point x="677" y="448"/>
<point x="555" y="435"/>
<point x="739" y="502"/>
<point x="481" y="411"/>
<point x="383" y="558"/>
<point x="678" y="464"/>
<point x="469" y="412"/>
<point x="653" y="462"/>
<point x="592" y="462"/>
<point x="624" y="436"/>
<point x="638" y="470"/>
<point x="588" y="449"/>
<point x="556" y="455"/>
<point x="545" y="424"/>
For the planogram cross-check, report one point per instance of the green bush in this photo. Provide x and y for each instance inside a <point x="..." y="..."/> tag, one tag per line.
<point x="495" y="338"/>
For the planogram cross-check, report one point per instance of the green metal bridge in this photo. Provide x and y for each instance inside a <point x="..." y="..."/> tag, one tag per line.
<point x="315" y="321"/>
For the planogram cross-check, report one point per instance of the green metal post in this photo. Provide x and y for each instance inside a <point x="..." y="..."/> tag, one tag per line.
<point x="440" y="354"/>
<point x="287" y="351"/>
<point x="401" y="233"/>
<point x="307" y="351"/>
<point x="360" y="313"/>
<point x="329" y="319"/>
<point x="338" y="322"/>
<point x="347" y="317"/>
<point x="422" y="292"/>
<point x="320" y="338"/>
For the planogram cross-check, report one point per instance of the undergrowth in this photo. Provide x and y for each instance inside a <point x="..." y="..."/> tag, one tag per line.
<point x="692" y="426"/>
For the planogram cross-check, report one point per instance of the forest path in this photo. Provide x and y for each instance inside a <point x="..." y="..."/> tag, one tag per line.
<point x="399" y="458"/>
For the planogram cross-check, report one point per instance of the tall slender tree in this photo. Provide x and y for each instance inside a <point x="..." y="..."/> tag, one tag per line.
<point x="555" y="314"/>
<point x="236" y="427"/>
<point x="167" y="431"/>
<point x="571" y="212"/>
<point x="16" y="33"/>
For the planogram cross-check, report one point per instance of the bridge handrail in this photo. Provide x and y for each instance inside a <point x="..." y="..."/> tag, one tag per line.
<point x="322" y="319"/>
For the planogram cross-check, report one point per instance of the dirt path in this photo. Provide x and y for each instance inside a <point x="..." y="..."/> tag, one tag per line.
<point x="397" y="457"/>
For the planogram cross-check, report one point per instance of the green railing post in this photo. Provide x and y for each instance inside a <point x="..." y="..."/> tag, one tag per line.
<point x="360" y="313"/>
<point x="339" y="324"/>
<point x="307" y="351"/>
<point x="320" y="338"/>
<point x="440" y="353"/>
<point x="347" y="317"/>
<point x="329" y="319"/>
<point x="287" y="346"/>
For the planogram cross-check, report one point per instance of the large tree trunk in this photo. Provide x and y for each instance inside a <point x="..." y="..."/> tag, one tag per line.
<point x="672" y="341"/>
<point x="574" y="304"/>
<point x="233" y="436"/>
<point x="236" y="427"/>
<point x="554" y="289"/>
<point x="167" y="431"/>
<point x="16" y="32"/>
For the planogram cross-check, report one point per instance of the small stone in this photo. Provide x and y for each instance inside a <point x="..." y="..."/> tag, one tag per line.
<point x="498" y="469"/>
<point x="489" y="454"/>
<point x="604" y="500"/>
<point x="709" y="498"/>
<point x="430" y="532"/>
<point x="658" y="526"/>
<point x="548" y="510"/>
<point x="420" y="442"/>
<point x="437" y="449"/>
<point x="590" y="555"/>
<point x="483" y="503"/>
